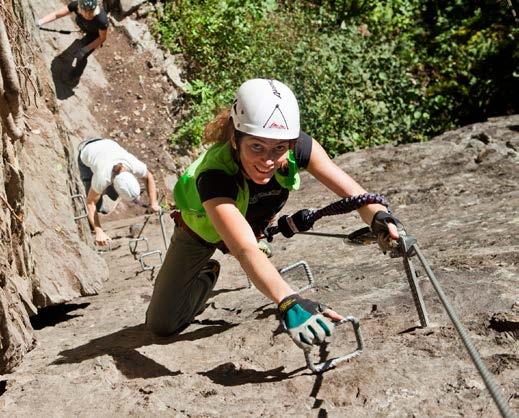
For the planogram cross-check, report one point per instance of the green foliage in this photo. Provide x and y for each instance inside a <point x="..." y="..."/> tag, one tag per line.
<point x="472" y="54"/>
<point x="467" y="53"/>
<point x="364" y="72"/>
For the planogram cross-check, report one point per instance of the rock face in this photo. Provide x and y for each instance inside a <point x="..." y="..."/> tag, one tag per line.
<point x="235" y="360"/>
<point x="457" y="194"/>
<point x="45" y="254"/>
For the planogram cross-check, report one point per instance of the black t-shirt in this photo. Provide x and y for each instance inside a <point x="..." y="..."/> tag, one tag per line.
<point x="91" y="27"/>
<point x="266" y="200"/>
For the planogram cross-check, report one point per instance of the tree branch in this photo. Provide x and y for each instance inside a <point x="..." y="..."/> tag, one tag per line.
<point x="10" y="106"/>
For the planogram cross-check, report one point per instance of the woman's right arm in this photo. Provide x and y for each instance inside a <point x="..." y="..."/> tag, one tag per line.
<point x="53" y="16"/>
<point x="239" y="238"/>
<point x="304" y="319"/>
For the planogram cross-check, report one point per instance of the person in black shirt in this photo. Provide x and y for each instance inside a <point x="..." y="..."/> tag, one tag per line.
<point x="228" y="196"/>
<point x="92" y="20"/>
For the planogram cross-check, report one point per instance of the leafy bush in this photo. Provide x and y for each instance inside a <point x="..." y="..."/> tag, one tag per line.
<point x="364" y="72"/>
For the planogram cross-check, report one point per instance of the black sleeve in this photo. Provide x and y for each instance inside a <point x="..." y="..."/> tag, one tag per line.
<point x="72" y="6"/>
<point x="102" y="20"/>
<point x="216" y="183"/>
<point x="303" y="149"/>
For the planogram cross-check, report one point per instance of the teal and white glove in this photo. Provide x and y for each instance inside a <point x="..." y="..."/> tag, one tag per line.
<point x="304" y="321"/>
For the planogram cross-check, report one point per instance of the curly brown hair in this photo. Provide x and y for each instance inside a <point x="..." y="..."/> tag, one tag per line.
<point x="220" y="129"/>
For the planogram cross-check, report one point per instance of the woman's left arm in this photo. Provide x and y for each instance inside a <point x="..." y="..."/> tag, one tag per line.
<point x="334" y="178"/>
<point x="97" y="41"/>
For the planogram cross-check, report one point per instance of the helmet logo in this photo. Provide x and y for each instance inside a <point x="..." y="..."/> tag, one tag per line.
<point x="276" y="122"/>
<point x="274" y="90"/>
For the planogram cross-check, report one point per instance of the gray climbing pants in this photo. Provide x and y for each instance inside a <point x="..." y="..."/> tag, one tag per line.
<point x="180" y="291"/>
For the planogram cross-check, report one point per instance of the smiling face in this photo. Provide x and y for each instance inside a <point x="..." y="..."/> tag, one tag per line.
<point x="262" y="157"/>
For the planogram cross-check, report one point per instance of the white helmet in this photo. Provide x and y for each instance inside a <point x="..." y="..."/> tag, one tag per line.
<point x="127" y="186"/>
<point x="266" y="108"/>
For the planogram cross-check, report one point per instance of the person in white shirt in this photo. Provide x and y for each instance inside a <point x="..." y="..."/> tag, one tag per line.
<point x="106" y="168"/>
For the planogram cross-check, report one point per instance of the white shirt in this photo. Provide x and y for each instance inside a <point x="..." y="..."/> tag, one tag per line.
<point x="101" y="156"/>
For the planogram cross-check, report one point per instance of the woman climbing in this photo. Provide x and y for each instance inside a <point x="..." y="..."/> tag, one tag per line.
<point x="91" y="19"/>
<point x="231" y="193"/>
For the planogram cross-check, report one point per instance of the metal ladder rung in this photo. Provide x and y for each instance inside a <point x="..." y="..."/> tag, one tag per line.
<point x="331" y="363"/>
<point x="145" y="266"/>
<point x="308" y="272"/>
<point x="82" y="199"/>
<point x="136" y="241"/>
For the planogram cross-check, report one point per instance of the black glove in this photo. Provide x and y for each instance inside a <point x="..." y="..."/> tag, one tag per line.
<point x="300" y="221"/>
<point x="381" y="231"/>
<point x="304" y="321"/>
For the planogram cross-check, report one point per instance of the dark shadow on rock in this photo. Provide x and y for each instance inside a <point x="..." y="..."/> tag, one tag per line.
<point x="212" y="328"/>
<point x="3" y="386"/>
<point x="134" y="365"/>
<point x="122" y="345"/>
<point x="53" y="315"/>
<point x="228" y="374"/>
<point x="64" y="74"/>
<point x="409" y="330"/>
<point x="323" y="413"/>
<point x="220" y="291"/>
<point x="265" y="312"/>
<point x="323" y="354"/>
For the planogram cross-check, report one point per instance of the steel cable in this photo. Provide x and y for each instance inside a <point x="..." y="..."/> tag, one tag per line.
<point x="483" y="371"/>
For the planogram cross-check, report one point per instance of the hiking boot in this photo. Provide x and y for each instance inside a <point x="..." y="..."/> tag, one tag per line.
<point x="265" y="247"/>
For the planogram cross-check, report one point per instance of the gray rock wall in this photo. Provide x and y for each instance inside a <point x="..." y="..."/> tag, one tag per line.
<point x="45" y="255"/>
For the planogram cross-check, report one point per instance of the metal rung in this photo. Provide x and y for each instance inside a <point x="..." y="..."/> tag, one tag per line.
<point x="331" y="363"/>
<point x="145" y="266"/>
<point x="82" y="199"/>
<point x="308" y="272"/>
<point x="136" y="241"/>
<point x="407" y="250"/>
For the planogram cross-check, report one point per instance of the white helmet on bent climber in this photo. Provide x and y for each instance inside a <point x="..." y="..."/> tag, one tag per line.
<point x="267" y="109"/>
<point x="127" y="186"/>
